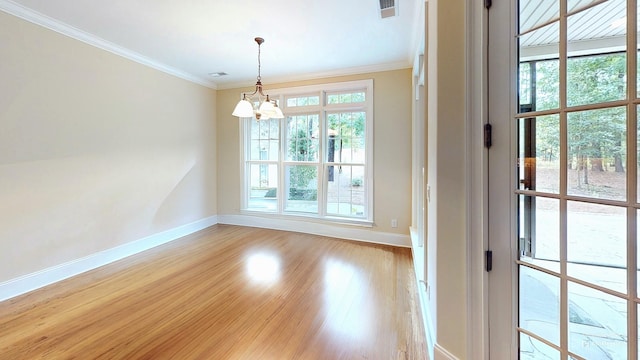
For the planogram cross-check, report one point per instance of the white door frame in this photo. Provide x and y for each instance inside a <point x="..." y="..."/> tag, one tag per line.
<point x="476" y="183"/>
<point x="502" y="85"/>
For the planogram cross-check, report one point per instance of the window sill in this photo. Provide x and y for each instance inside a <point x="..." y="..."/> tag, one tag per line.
<point x="310" y="217"/>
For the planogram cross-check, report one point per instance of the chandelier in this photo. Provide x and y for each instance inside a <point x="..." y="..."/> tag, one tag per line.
<point x="257" y="103"/>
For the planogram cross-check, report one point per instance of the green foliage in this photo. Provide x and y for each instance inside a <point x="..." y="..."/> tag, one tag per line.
<point x="346" y="98"/>
<point x="594" y="79"/>
<point x="303" y="194"/>
<point x="594" y="136"/>
<point x="302" y="148"/>
<point x="548" y="137"/>
<point x="348" y="127"/>
<point x="547" y="85"/>
<point x="271" y="193"/>
<point x="301" y="175"/>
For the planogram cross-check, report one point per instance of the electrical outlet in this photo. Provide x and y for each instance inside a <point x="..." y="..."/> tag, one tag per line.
<point x="394" y="223"/>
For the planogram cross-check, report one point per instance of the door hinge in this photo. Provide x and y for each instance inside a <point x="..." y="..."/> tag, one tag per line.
<point x="487" y="4"/>
<point x="489" y="260"/>
<point x="487" y="135"/>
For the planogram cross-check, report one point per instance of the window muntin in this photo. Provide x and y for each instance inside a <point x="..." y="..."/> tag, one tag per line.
<point x="346" y="195"/>
<point x="323" y="166"/>
<point x="302" y="149"/>
<point x="265" y="140"/>
<point x="577" y="225"/>
<point x="346" y="97"/>
<point x="301" y="100"/>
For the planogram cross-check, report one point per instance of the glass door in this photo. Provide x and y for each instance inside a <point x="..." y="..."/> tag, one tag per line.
<point x="574" y="196"/>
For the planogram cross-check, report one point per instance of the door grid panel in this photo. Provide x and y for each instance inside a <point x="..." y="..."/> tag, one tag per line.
<point x="576" y="160"/>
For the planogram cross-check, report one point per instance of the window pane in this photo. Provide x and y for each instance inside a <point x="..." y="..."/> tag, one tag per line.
<point x="531" y="16"/>
<point x="302" y="138"/>
<point x="263" y="187"/>
<point x="539" y="150"/>
<point x="547" y="85"/>
<point x="346" y="193"/>
<point x="346" y="137"/>
<point x="346" y="98"/>
<point x="302" y="184"/>
<point x="540" y="304"/>
<point x="592" y="76"/>
<point x="533" y="349"/>
<point x="597" y="324"/>
<point x="525" y="85"/>
<point x="303" y="101"/>
<point x="539" y="231"/>
<point x="574" y="5"/>
<point x="539" y="85"/>
<point x="597" y="244"/>
<point x="595" y="79"/>
<point x="581" y="29"/>
<point x="597" y="153"/>
<point x="265" y="140"/>
<point x="539" y="69"/>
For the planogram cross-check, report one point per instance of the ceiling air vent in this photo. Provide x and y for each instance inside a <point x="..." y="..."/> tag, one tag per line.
<point x="388" y="8"/>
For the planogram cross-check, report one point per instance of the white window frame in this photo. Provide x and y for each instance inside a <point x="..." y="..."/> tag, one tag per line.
<point x="322" y="110"/>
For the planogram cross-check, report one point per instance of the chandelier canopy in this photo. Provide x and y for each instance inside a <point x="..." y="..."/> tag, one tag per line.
<point x="257" y="104"/>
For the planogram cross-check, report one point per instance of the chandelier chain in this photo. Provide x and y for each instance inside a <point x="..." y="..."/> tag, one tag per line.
<point x="259" y="64"/>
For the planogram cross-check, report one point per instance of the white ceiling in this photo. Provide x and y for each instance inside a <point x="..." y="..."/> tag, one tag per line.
<point x="192" y="38"/>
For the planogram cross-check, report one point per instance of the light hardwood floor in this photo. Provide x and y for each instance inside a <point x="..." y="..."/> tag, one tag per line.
<point x="227" y="292"/>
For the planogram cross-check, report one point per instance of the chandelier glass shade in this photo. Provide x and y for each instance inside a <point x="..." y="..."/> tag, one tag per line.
<point x="257" y="104"/>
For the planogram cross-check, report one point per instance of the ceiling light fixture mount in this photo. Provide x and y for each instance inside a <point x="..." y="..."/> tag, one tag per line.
<point x="261" y="107"/>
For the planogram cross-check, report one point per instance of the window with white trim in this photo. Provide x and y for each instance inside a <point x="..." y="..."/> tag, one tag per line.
<point x="317" y="160"/>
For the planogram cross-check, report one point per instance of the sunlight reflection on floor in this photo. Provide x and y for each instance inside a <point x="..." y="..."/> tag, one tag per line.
<point x="263" y="268"/>
<point x="347" y="302"/>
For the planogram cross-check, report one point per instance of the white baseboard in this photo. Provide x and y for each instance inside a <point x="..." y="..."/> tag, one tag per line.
<point x="441" y="353"/>
<point x="422" y="294"/>
<point x="29" y="282"/>
<point x="346" y="232"/>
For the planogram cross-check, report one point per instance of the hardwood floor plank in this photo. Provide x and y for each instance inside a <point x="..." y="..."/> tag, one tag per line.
<point x="227" y="292"/>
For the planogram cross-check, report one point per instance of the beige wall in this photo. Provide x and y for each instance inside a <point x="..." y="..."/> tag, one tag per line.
<point x="447" y="175"/>
<point x="95" y="150"/>
<point x="392" y="146"/>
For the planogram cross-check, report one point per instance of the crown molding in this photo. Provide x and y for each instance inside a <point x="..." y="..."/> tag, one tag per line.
<point x="322" y="75"/>
<point x="37" y="18"/>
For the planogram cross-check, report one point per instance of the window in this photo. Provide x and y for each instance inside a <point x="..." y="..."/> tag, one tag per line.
<point x="317" y="161"/>
<point x="576" y="131"/>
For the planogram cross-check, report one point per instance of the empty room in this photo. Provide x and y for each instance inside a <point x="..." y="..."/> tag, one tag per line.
<point x="242" y="180"/>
